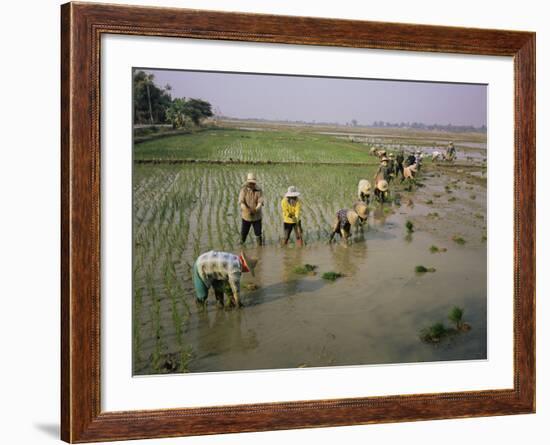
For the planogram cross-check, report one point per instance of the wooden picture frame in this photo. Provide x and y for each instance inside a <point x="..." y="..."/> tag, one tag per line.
<point x="82" y="26"/>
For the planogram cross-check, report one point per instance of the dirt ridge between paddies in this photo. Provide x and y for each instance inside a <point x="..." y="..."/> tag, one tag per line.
<point x="243" y="162"/>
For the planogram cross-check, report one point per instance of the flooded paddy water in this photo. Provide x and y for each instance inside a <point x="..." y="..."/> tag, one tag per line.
<point x="372" y="315"/>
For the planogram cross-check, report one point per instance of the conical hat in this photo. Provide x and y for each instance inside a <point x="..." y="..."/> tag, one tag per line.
<point x="250" y="262"/>
<point x="292" y="192"/>
<point x="352" y="217"/>
<point x="382" y="185"/>
<point x="361" y="209"/>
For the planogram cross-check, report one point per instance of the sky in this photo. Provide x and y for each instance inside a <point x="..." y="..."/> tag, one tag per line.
<point x="325" y="99"/>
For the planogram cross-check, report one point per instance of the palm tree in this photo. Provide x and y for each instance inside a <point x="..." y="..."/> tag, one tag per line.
<point x="148" y="81"/>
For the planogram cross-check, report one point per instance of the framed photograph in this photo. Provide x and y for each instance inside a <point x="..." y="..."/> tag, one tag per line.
<point x="275" y="222"/>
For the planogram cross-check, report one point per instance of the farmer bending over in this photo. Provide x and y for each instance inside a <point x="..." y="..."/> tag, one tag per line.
<point x="217" y="269"/>
<point x="251" y="201"/>
<point x="346" y="218"/>
<point x="291" y="207"/>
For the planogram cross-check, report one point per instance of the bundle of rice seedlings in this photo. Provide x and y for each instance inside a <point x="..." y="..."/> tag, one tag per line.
<point x="424" y="269"/>
<point x="331" y="276"/>
<point x="433" y="333"/>
<point x="306" y="269"/>
<point x="459" y="240"/>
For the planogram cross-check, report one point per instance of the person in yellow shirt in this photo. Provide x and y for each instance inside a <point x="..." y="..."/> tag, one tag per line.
<point x="291" y="207"/>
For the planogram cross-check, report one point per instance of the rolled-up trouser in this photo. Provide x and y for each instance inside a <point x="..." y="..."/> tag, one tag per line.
<point x="201" y="289"/>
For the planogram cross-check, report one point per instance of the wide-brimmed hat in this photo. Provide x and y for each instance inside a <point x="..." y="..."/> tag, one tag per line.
<point x="381" y="152"/>
<point x="251" y="177"/>
<point x="352" y="217"/>
<point x="391" y="155"/>
<point x="382" y="185"/>
<point x="384" y="159"/>
<point x="292" y="192"/>
<point x="361" y="209"/>
<point x="249" y="262"/>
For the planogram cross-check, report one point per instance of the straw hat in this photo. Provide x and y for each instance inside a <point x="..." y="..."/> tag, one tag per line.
<point x="384" y="159"/>
<point x="251" y="177"/>
<point x="249" y="262"/>
<point x="352" y="217"/>
<point x="292" y="192"/>
<point x="361" y="209"/>
<point x="382" y="185"/>
<point x="391" y="155"/>
<point x="382" y="152"/>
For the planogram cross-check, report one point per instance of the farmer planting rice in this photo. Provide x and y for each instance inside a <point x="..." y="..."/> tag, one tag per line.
<point x="411" y="159"/>
<point x="346" y="219"/>
<point x="384" y="172"/>
<point x="399" y="163"/>
<point x="391" y="166"/>
<point x="450" y="154"/>
<point x="217" y="270"/>
<point x="291" y="207"/>
<point x="381" y="190"/>
<point x="364" y="189"/>
<point x="251" y="201"/>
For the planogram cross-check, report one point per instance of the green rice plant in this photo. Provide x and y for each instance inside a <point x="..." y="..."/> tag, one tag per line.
<point x="437" y="195"/>
<point x="459" y="240"/>
<point x="306" y="269"/>
<point x="472" y="196"/>
<point x="429" y="202"/>
<point x="434" y="249"/>
<point x="483" y="238"/>
<point x="409" y="226"/>
<point x="423" y="269"/>
<point x="332" y="276"/>
<point x="434" y="333"/>
<point x="455" y="316"/>
<point x="452" y="199"/>
<point x="433" y="215"/>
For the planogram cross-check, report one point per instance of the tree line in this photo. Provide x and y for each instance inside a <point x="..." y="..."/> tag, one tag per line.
<point x="436" y="127"/>
<point x="155" y="105"/>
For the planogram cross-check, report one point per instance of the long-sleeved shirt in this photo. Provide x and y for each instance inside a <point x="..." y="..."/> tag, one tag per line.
<point x="251" y="201"/>
<point x="291" y="212"/>
<point x="220" y="266"/>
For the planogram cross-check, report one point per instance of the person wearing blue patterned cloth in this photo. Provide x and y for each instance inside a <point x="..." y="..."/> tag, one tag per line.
<point x="217" y="270"/>
<point x="347" y="218"/>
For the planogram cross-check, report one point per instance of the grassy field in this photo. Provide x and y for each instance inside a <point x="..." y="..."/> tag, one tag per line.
<point x="250" y="146"/>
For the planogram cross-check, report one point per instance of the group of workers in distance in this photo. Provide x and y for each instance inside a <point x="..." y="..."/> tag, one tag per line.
<point x="222" y="270"/>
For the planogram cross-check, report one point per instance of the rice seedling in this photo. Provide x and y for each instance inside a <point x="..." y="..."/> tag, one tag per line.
<point x="459" y="240"/>
<point x="452" y="199"/>
<point x="435" y="249"/>
<point x="306" y="269"/>
<point x="433" y="333"/>
<point x="409" y="226"/>
<point x="472" y="196"/>
<point x="429" y="202"/>
<point x="423" y="269"/>
<point x="455" y="316"/>
<point x="332" y="276"/>
<point x="433" y="215"/>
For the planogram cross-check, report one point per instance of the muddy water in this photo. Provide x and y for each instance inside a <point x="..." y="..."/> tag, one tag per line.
<point x="373" y="314"/>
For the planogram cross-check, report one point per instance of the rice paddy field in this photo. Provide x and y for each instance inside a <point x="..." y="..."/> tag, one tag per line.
<point x="372" y="314"/>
